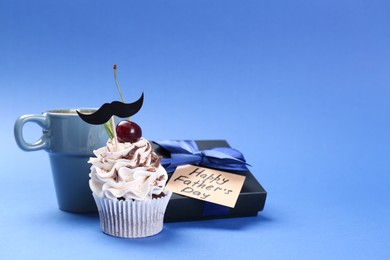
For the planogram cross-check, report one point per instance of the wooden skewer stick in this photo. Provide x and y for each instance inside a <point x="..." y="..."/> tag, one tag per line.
<point x="115" y="139"/>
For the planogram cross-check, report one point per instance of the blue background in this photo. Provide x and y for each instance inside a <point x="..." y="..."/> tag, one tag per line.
<point x="302" y="88"/>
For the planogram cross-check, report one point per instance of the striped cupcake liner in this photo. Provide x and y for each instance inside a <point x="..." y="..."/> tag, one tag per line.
<point x="132" y="218"/>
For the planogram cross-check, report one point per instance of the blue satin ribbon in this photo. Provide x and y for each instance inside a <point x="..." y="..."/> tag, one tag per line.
<point x="187" y="152"/>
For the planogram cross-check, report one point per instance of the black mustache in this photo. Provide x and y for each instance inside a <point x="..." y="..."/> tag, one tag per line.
<point x="115" y="108"/>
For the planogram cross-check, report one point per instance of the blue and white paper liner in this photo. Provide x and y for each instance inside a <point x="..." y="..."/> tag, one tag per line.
<point x="132" y="218"/>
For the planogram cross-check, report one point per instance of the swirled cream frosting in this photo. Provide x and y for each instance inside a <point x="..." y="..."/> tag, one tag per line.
<point x="127" y="171"/>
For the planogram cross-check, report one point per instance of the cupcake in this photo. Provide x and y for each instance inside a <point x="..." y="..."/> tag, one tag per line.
<point x="126" y="178"/>
<point x="128" y="185"/>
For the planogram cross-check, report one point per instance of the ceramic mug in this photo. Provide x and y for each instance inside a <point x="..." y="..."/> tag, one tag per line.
<point x="69" y="142"/>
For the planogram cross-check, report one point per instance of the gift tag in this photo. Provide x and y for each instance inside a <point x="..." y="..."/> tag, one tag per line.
<point x="206" y="184"/>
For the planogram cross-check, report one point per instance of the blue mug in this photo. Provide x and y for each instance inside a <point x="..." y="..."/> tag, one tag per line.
<point x="69" y="142"/>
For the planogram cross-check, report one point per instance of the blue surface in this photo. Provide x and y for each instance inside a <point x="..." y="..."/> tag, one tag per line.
<point x="302" y="88"/>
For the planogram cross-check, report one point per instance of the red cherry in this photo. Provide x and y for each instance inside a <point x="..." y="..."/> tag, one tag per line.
<point x="128" y="131"/>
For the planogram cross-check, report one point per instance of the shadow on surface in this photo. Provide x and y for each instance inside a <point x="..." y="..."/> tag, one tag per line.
<point x="240" y="223"/>
<point x="172" y="232"/>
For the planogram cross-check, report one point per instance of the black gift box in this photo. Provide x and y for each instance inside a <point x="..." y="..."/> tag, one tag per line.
<point x="250" y="201"/>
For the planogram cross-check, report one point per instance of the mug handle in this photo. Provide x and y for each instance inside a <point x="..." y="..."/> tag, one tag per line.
<point x="42" y="143"/>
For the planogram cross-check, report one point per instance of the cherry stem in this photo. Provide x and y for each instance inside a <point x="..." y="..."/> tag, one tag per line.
<point x="117" y="84"/>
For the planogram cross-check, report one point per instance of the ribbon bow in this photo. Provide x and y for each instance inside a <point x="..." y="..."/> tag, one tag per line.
<point x="187" y="152"/>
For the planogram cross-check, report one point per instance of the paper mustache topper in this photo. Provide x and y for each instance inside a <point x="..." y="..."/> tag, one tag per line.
<point x="115" y="108"/>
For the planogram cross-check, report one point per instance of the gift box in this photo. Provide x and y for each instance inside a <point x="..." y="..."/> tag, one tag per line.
<point x="251" y="199"/>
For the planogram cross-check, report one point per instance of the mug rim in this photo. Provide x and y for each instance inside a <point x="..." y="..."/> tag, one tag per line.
<point x="69" y="111"/>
